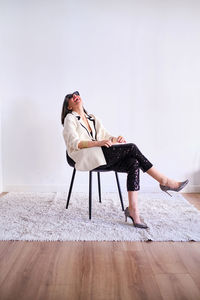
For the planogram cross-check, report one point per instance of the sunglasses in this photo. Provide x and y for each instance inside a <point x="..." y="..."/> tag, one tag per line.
<point x="69" y="96"/>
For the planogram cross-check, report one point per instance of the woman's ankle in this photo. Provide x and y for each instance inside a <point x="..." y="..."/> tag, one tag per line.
<point x="133" y="210"/>
<point x="164" y="181"/>
<point x="172" y="183"/>
<point x="135" y="215"/>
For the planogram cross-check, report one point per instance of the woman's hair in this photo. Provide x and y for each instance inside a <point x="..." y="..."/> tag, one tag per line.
<point x="65" y="110"/>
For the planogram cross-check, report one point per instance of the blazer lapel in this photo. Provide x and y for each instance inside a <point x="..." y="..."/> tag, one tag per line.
<point x="91" y="121"/>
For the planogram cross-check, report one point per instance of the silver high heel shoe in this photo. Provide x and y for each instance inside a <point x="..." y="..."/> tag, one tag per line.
<point x="165" y="188"/>
<point x="139" y="225"/>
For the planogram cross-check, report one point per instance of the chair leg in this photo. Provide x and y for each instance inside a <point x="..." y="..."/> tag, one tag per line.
<point x="99" y="185"/>
<point x="90" y="193"/>
<point x="119" y="189"/>
<point x="71" y="185"/>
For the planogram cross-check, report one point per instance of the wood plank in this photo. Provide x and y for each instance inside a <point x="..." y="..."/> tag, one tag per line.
<point x="9" y="253"/>
<point x="190" y="255"/>
<point x="164" y="258"/>
<point x="27" y="270"/>
<point x="177" y="287"/>
<point x="193" y="198"/>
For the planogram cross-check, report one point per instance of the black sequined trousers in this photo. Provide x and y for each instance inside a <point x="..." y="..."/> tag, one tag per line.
<point x="127" y="158"/>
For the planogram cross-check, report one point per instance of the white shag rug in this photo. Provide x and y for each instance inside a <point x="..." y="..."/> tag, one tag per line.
<point x="42" y="216"/>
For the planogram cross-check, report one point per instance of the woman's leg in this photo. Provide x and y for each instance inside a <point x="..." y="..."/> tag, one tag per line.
<point x="121" y="158"/>
<point x="162" y="179"/>
<point x="131" y="166"/>
<point x="131" y="149"/>
<point x="118" y="157"/>
<point x="117" y="153"/>
<point x="133" y="187"/>
<point x="133" y="206"/>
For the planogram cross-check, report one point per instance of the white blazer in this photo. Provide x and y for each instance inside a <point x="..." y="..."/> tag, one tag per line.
<point x="74" y="131"/>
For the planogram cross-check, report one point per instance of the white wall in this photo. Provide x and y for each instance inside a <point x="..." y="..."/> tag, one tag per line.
<point x="136" y="65"/>
<point x="1" y="169"/>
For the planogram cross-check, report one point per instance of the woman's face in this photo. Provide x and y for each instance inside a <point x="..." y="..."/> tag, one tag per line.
<point x="74" y="102"/>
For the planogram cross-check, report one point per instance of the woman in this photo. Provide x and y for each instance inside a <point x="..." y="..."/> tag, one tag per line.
<point x="90" y="145"/>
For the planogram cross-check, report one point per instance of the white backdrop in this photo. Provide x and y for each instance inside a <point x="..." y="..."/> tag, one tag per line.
<point x="136" y="65"/>
<point x="1" y="167"/>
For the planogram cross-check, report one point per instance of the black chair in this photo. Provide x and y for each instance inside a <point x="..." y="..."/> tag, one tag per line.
<point x="98" y="170"/>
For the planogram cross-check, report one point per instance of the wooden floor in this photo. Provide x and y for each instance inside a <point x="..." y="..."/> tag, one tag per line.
<point x="100" y="270"/>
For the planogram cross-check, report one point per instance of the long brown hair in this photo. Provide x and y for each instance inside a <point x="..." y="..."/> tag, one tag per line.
<point x="65" y="110"/>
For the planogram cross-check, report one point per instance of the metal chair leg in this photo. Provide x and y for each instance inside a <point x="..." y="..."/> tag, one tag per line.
<point x="90" y="193"/>
<point x="99" y="185"/>
<point x="119" y="189"/>
<point x="70" y="189"/>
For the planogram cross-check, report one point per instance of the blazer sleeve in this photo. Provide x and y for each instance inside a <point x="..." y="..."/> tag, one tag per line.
<point x="70" y="134"/>
<point x="102" y="133"/>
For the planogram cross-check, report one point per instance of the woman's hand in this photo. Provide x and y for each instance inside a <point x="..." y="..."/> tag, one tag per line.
<point x="106" y="143"/>
<point x="120" y="139"/>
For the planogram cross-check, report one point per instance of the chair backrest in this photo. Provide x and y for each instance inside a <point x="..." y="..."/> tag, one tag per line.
<point x="70" y="161"/>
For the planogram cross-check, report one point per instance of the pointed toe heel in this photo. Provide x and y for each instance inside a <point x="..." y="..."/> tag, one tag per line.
<point x="165" y="188"/>
<point x="139" y="225"/>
